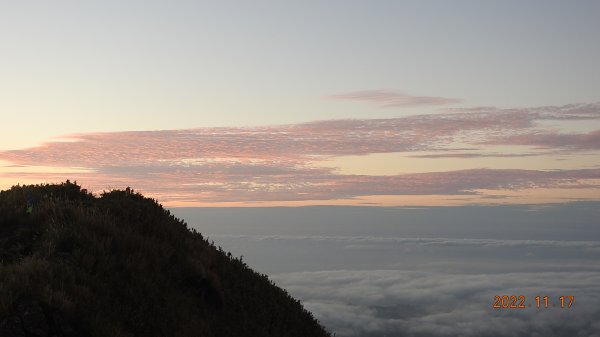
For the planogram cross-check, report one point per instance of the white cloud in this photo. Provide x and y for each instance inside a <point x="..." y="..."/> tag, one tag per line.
<point x="413" y="303"/>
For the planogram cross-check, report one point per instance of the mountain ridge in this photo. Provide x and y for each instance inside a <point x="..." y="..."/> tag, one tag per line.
<point x="119" y="264"/>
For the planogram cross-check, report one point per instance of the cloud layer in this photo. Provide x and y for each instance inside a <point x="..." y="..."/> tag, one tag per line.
<point x="387" y="285"/>
<point x="277" y="162"/>
<point x="414" y="303"/>
<point x="391" y="99"/>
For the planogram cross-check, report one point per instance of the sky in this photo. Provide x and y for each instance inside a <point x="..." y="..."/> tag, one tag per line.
<point x="233" y="103"/>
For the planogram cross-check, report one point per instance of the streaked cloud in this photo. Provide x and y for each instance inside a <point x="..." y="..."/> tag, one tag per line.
<point x="473" y="155"/>
<point x="377" y="241"/>
<point x="222" y="184"/>
<point x="298" y="142"/>
<point x="281" y="163"/>
<point x="393" y="99"/>
<point x="585" y="141"/>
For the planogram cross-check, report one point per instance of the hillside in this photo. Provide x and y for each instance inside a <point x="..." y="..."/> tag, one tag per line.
<point x="73" y="264"/>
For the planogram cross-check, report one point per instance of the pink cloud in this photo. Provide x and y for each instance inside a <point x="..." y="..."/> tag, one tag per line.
<point x="283" y="143"/>
<point x="585" y="141"/>
<point x="391" y="99"/>
<point x="301" y="142"/>
<point x="473" y="155"/>
<point x="275" y="162"/>
<point x="579" y="111"/>
<point x="221" y="185"/>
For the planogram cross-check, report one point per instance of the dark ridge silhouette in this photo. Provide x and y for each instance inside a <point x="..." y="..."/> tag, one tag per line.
<point x="73" y="264"/>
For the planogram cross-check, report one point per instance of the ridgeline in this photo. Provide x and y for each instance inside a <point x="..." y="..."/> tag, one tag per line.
<point x="117" y="265"/>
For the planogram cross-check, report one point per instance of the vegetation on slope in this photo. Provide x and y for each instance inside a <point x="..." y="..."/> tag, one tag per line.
<point x="73" y="264"/>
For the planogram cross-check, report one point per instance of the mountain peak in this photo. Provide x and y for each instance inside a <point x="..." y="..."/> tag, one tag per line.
<point x="119" y="264"/>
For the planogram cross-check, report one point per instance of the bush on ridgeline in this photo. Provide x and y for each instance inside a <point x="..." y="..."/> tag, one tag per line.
<point x="73" y="264"/>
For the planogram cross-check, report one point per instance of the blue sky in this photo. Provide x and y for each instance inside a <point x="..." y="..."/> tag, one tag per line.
<point x="122" y="65"/>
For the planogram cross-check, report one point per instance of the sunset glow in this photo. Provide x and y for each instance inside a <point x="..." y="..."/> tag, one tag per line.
<point x="446" y="158"/>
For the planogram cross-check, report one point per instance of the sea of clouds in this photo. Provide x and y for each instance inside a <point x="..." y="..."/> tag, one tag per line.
<point x="421" y="284"/>
<point x="415" y="303"/>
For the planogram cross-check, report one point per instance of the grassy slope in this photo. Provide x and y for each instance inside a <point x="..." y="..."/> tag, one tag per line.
<point x="121" y="265"/>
